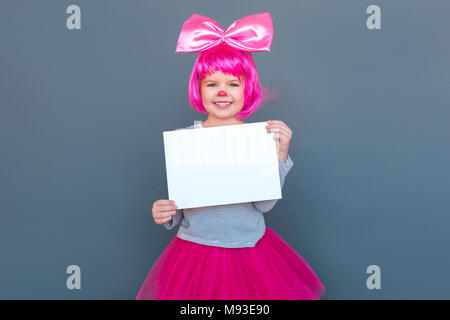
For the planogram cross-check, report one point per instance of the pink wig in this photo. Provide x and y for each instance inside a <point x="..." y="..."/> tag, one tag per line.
<point x="230" y="61"/>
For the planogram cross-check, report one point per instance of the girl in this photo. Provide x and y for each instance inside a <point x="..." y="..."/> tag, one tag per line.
<point x="226" y="251"/>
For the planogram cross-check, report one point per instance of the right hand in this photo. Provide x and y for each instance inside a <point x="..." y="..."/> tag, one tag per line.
<point x="163" y="211"/>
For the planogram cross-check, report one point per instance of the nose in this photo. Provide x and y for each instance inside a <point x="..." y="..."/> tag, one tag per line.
<point x="222" y="93"/>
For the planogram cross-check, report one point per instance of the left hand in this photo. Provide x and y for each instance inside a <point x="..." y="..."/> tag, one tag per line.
<point x="282" y="136"/>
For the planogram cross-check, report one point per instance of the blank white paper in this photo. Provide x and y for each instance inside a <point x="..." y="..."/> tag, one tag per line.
<point x="221" y="165"/>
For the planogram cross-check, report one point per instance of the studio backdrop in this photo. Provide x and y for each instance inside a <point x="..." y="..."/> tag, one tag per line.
<point x="88" y="87"/>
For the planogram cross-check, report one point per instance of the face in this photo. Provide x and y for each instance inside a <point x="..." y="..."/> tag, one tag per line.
<point x="222" y="95"/>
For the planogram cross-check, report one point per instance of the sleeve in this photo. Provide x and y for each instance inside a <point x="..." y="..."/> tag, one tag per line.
<point x="284" y="167"/>
<point x="176" y="219"/>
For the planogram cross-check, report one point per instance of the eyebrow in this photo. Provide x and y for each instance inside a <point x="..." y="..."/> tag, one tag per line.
<point x="234" y="80"/>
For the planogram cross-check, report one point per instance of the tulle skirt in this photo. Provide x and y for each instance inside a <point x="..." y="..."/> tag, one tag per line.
<point x="271" y="270"/>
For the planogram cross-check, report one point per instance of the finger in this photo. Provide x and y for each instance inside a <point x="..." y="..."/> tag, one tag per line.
<point x="280" y="130"/>
<point x="163" y="202"/>
<point x="161" y="221"/>
<point x="273" y="126"/>
<point x="277" y="135"/>
<point x="165" y="208"/>
<point x="284" y="139"/>
<point x="164" y="215"/>
<point x="277" y="123"/>
<point x="285" y="134"/>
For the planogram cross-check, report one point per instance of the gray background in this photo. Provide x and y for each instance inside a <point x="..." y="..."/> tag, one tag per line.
<point x="82" y="115"/>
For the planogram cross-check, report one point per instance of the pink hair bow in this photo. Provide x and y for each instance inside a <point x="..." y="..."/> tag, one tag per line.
<point x="252" y="33"/>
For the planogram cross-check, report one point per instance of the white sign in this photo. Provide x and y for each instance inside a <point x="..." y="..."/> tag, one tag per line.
<point x="221" y="165"/>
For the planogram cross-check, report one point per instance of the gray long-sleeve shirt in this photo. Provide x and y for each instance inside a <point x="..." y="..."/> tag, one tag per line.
<point x="236" y="225"/>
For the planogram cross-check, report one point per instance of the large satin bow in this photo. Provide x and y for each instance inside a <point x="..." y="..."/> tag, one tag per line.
<point x="252" y="33"/>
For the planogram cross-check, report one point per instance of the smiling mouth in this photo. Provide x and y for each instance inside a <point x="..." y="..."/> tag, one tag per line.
<point x="223" y="104"/>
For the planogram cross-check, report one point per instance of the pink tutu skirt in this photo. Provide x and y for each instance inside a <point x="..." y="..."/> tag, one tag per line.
<point x="271" y="270"/>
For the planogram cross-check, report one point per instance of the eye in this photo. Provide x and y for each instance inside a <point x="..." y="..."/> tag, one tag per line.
<point x="234" y="84"/>
<point x="211" y="85"/>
